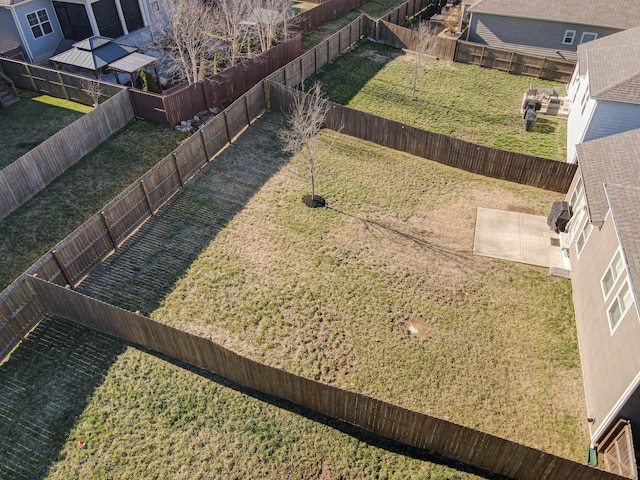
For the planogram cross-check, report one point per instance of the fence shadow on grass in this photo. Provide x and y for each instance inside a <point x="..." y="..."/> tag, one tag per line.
<point x="44" y="386"/>
<point x="144" y="269"/>
<point x="361" y="434"/>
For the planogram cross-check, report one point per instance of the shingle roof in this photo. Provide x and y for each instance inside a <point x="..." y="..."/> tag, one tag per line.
<point x="620" y="14"/>
<point x="624" y="203"/>
<point x="616" y="40"/>
<point x="610" y="160"/>
<point x="614" y="73"/>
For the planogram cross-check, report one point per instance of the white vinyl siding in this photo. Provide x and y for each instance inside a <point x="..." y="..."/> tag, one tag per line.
<point x="620" y="306"/>
<point x="569" y="37"/>
<point x="612" y="274"/>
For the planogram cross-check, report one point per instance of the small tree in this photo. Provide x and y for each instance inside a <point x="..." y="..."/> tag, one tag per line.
<point x="94" y="90"/>
<point x="305" y="122"/>
<point x="424" y="39"/>
<point x="191" y="32"/>
<point x="452" y="19"/>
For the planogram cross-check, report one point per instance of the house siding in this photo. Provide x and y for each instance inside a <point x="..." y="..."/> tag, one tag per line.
<point x="9" y="36"/>
<point x="538" y="37"/>
<point x="610" y="118"/>
<point x="40" y="48"/>
<point x="610" y="362"/>
<point x="579" y="117"/>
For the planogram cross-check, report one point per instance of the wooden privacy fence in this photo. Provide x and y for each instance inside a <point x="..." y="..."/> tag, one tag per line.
<point x="396" y="36"/>
<point x="55" y="82"/>
<point x="298" y="70"/>
<point x="514" y="167"/>
<point x="325" y="11"/>
<point x="22" y="179"/>
<point x="462" y="444"/>
<point x="70" y="261"/>
<point x="514" y="62"/>
<point x="186" y="101"/>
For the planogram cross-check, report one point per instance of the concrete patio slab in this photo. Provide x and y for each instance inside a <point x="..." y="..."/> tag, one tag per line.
<point x="518" y="237"/>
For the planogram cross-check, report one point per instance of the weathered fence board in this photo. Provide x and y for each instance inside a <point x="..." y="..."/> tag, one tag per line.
<point x="511" y="166"/>
<point x="399" y="37"/>
<point x="514" y="62"/>
<point x="457" y="442"/>
<point x="22" y="179"/>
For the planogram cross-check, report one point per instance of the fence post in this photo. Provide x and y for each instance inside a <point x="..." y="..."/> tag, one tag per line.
<point x="246" y="109"/>
<point x="8" y="324"/>
<point x="267" y="94"/>
<point x="64" y="88"/>
<point x="109" y="232"/>
<point x="175" y="163"/>
<point x="226" y="123"/>
<point x="59" y="264"/>
<point x="511" y="61"/>
<point x="315" y="60"/>
<point x="481" y="55"/>
<point x="33" y="83"/>
<point x="544" y="61"/>
<point x="146" y="196"/>
<point x="204" y="144"/>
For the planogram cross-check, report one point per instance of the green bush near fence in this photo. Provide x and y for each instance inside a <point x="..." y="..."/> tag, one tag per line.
<point x="464" y="101"/>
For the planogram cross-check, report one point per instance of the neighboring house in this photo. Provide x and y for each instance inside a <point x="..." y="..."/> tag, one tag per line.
<point x="551" y="28"/>
<point x="38" y="26"/>
<point x="604" y="247"/>
<point x="605" y="89"/>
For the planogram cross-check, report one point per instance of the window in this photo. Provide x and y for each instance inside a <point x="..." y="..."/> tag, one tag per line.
<point x="569" y="36"/>
<point x="613" y="273"/>
<point x="583" y="237"/>
<point x="588" y="36"/>
<point x="39" y="23"/>
<point x="575" y="196"/>
<point x="620" y="306"/>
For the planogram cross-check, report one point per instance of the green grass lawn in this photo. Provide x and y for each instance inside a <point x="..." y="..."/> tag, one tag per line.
<point x="32" y="120"/>
<point x="476" y="104"/>
<point x="373" y="8"/>
<point x="81" y="191"/>
<point x="332" y="294"/>
<point x="140" y="416"/>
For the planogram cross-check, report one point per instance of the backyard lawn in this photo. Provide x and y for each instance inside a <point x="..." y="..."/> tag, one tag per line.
<point x="332" y="294"/>
<point x="32" y="120"/>
<point x="476" y="104"/>
<point x="69" y="200"/>
<point x="373" y="8"/>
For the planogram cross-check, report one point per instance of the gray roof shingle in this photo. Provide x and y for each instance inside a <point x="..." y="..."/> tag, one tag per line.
<point x="614" y="73"/>
<point x="616" y="40"/>
<point x="620" y="14"/>
<point x="609" y="160"/>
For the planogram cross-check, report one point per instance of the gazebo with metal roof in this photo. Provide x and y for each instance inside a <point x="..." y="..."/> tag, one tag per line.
<point x="93" y="53"/>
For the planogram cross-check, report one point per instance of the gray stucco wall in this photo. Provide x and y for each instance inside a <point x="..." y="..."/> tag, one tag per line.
<point x="537" y="37"/>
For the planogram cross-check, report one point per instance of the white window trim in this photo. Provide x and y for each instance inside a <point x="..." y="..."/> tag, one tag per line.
<point x="40" y="23"/>
<point x="626" y="310"/>
<point x="586" y="238"/>
<point x="595" y="35"/>
<point x="606" y="295"/>
<point x="569" y="33"/>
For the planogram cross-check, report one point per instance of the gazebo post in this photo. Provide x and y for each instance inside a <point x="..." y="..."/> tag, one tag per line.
<point x="155" y="69"/>
<point x="117" y="77"/>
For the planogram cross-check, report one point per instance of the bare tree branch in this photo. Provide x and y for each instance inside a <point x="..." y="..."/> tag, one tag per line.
<point x="305" y="122"/>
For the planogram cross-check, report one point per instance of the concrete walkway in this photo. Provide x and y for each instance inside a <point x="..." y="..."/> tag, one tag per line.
<point x="518" y="237"/>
